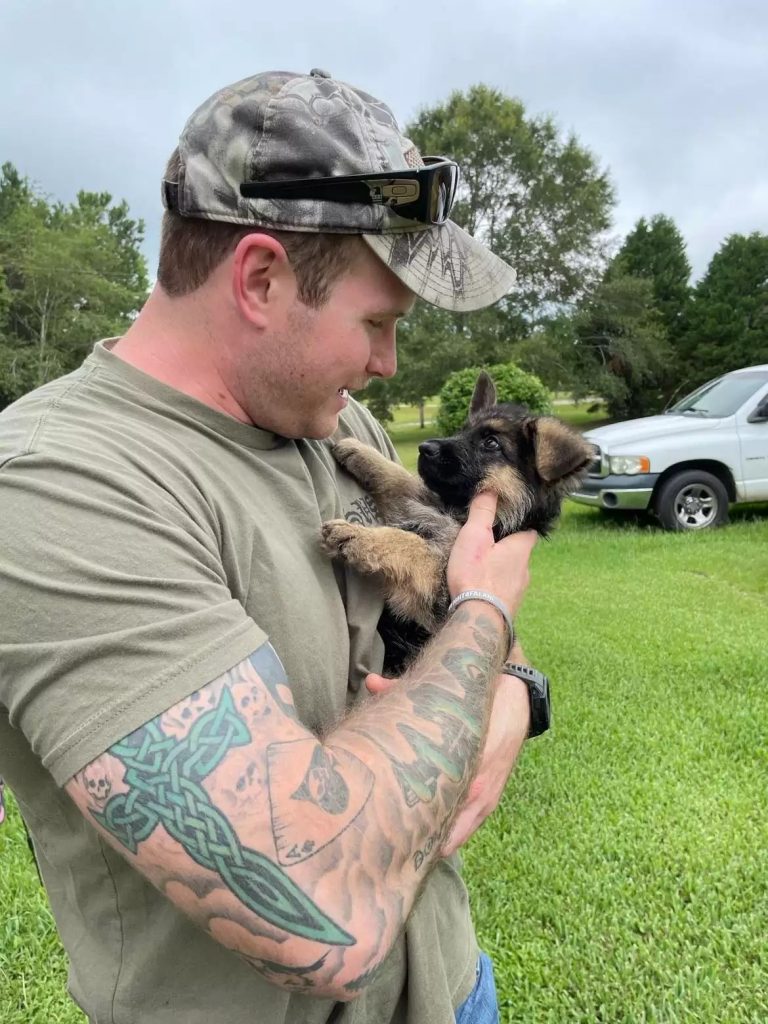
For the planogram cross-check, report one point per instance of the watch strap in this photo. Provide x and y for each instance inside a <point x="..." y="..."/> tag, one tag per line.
<point x="538" y="695"/>
<point x="524" y="672"/>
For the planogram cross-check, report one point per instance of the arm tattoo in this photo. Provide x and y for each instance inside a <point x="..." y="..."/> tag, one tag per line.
<point x="446" y="713"/>
<point x="284" y="825"/>
<point x="288" y="976"/>
<point x="461" y="730"/>
<point x="164" y="776"/>
<point x="459" y="716"/>
<point x="315" y="794"/>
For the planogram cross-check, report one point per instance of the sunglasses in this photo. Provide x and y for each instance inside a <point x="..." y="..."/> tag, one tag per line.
<point x="424" y="194"/>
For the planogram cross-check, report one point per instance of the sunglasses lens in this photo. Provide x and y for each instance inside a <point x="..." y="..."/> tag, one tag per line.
<point x="442" y="191"/>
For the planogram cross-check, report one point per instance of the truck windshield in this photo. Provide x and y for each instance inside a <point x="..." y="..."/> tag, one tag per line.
<point x="721" y="397"/>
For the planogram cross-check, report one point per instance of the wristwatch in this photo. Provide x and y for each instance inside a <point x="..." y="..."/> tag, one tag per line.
<point x="538" y="694"/>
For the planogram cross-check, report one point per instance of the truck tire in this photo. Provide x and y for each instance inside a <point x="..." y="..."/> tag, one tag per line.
<point x="692" y="500"/>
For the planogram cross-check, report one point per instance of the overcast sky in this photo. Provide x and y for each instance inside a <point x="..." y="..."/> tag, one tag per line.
<point x="670" y="95"/>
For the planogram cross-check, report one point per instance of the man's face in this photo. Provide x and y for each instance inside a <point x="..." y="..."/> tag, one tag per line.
<point x="313" y="358"/>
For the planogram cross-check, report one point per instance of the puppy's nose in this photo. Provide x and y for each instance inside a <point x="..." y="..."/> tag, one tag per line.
<point x="430" y="449"/>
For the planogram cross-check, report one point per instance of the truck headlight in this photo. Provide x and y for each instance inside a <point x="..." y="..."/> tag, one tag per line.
<point x="628" y="465"/>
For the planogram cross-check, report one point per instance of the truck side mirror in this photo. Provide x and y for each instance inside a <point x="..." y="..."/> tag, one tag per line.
<point x="760" y="415"/>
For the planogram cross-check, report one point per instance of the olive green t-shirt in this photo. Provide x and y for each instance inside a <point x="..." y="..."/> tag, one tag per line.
<point x="148" y="543"/>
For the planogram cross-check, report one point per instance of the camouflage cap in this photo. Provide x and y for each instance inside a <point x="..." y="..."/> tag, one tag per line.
<point x="278" y="126"/>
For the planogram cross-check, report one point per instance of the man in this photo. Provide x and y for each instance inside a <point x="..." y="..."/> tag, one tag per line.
<point x="182" y="669"/>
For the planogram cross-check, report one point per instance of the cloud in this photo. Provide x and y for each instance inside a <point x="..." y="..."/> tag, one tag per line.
<point x="669" y="96"/>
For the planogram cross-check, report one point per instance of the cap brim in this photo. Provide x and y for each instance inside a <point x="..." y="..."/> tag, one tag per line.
<point x="445" y="266"/>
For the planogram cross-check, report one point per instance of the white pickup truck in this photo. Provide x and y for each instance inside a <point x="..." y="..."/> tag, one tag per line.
<point x="686" y="465"/>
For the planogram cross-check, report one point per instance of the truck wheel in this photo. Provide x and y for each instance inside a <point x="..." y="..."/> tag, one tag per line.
<point x="692" y="500"/>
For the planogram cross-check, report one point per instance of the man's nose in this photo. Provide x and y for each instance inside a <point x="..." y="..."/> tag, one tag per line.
<point x="383" y="361"/>
<point x="430" y="449"/>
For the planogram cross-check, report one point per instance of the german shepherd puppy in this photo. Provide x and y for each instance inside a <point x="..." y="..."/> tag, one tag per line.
<point x="531" y="462"/>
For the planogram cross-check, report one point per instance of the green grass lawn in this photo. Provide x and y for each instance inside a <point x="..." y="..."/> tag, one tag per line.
<point x="624" y="879"/>
<point x="33" y="972"/>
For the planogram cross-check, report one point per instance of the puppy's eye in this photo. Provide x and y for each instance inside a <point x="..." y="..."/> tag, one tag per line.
<point x="491" y="444"/>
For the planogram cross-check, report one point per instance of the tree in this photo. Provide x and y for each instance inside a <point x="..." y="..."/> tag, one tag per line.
<point x="614" y="346"/>
<point x="512" y="385"/>
<point x="549" y="353"/>
<point x="536" y="199"/>
<point x="69" y="275"/>
<point x="656" y="250"/>
<point x="729" y="314"/>
<point x="623" y="341"/>
<point x="432" y="343"/>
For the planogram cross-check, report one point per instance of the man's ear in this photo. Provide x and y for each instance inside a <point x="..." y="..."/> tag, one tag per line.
<point x="261" y="277"/>
<point x="483" y="397"/>
<point x="559" y="451"/>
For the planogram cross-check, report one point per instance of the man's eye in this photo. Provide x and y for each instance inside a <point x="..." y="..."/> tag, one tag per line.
<point x="491" y="444"/>
<point x="378" y="324"/>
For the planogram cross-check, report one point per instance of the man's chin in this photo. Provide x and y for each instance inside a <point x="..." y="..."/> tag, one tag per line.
<point x="322" y="428"/>
<point x="321" y="425"/>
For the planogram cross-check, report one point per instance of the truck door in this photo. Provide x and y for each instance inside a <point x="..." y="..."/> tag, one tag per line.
<point x="753" y="441"/>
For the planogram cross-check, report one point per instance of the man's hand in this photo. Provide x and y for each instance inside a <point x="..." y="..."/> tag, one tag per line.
<point x="478" y="562"/>
<point x="507" y="729"/>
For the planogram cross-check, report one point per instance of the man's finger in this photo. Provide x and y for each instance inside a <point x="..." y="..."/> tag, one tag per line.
<point x="482" y="509"/>
<point x="379" y="684"/>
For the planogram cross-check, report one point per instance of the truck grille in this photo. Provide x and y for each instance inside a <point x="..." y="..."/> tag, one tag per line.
<point x="595" y="466"/>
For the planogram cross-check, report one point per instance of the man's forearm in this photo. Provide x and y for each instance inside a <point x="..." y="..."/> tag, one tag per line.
<point x="422" y="743"/>
<point x="425" y="736"/>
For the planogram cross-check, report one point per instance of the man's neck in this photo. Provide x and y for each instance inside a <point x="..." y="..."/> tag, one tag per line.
<point x="172" y="340"/>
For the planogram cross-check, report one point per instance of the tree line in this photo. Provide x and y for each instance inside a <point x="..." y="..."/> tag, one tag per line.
<point x="644" y="336"/>
<point x="69" y="275"/>
<point x="627" y="326"/>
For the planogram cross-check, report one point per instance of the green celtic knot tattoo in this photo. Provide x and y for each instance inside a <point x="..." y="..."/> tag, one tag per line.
<point x="165" y="775"/>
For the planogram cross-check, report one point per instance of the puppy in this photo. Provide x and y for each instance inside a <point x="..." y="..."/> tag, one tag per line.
<point x="531" y="462"/>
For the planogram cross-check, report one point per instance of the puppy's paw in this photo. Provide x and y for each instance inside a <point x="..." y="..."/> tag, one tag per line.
<point x="349" y="451"/>
<point x="335" y="535"/>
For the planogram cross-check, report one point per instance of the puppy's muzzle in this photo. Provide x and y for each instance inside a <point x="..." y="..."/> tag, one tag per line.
<point x="430" y="449"/>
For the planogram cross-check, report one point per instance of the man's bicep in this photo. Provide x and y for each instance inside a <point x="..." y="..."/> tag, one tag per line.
<point x="198" y="800"/>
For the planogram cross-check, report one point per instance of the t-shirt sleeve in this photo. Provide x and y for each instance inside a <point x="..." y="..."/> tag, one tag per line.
<point x="115" y="606"/>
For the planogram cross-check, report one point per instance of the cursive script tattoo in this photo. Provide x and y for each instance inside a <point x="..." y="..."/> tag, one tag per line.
<point x="421" y="855"/>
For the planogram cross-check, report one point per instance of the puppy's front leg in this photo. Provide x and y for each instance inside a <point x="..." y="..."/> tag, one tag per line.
<point x="412" y="570"/>
<point x="388" y="483"/>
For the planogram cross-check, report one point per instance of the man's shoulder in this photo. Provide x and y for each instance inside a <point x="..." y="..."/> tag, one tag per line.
<point x="85" y="433"/>
<point x="23" y="424"/>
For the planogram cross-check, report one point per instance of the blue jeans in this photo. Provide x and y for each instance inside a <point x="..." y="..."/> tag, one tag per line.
<point x="481" y="1005"/>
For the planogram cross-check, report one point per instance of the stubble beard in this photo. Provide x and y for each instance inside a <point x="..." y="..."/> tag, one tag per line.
<point x="281" y="395"/>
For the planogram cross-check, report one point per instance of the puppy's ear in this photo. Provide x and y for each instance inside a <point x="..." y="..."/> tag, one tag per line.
<point x="559" y="451"/>
<point x="483" y="398"/>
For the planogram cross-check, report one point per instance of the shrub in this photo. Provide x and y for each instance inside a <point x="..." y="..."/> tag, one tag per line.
<point x="512" y="385"/>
